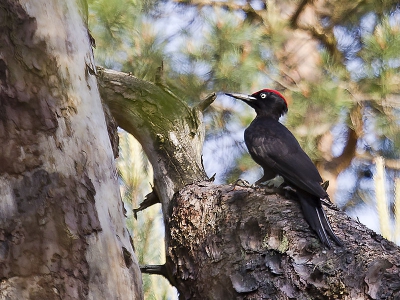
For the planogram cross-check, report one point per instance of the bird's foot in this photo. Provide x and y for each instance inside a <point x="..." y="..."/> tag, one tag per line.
<point x="242" y="183"/>
<point x="275" y="182"/>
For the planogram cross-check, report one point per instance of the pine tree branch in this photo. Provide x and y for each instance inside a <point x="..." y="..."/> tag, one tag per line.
<point x="170" y="132"/>
<point x="226" y="5"/>
<point x="300" y="7"/>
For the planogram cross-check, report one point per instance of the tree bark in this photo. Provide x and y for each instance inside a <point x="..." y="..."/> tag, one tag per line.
<point x="244" y="243"/>
<point x="62" y="229"/>
<point x="229" y="242"/>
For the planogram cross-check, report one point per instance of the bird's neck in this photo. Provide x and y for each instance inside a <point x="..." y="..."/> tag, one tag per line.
<point x="268" y="114"/>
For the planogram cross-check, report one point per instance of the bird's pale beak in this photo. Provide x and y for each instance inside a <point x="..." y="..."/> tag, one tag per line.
<point x="242" y="97"/>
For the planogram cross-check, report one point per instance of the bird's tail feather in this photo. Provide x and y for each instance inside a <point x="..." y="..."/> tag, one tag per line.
<point x="328" y="228"/>
<point x="316" y="218"/>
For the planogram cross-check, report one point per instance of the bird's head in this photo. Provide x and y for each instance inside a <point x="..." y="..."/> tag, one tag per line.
<point x="265" y="102"/>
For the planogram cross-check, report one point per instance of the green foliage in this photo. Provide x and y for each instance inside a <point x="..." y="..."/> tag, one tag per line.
<point x="380" y="55"/>
<point x="123" y="36"/>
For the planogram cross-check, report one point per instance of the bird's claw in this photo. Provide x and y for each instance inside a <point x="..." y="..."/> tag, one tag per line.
<point x="242" y="183"/>
<point x="275" y="182"/>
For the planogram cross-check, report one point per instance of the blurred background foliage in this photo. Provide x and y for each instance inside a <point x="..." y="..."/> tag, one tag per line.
<point x="147" y="230"/>
<point x="336" y="62"/>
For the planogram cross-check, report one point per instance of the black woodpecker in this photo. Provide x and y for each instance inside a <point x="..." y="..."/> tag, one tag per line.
<point x="277" y="151"/>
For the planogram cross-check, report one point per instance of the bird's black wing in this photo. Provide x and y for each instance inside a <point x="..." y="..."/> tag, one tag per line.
<point x="274" y="147"/>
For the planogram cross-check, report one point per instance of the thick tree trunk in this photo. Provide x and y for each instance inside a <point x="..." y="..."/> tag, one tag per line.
<point x="62" y="229"/>
<point x="227" y="242"/>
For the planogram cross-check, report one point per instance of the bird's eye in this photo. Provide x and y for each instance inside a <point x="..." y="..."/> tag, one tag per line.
<point x="263" y="96"/>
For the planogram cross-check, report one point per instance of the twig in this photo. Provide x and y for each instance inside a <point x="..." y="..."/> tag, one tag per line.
<point x="206" y="102"/>
<point x="150" y="200"/>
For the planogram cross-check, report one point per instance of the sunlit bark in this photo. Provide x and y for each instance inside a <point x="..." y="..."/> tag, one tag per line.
<point x="62" y="229"/>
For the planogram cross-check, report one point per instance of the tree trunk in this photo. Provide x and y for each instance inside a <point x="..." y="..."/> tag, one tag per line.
<point x="62" y="229"/>
<point x="229" y="242"/>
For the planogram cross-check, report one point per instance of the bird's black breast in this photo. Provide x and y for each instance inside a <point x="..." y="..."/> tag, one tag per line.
<point x="268" y="138"/>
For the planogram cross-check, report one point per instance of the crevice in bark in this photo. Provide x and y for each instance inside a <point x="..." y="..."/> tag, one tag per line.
<point x="112" y="129"/>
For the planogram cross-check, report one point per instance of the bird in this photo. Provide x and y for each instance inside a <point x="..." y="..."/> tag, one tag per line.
<point x="273" y="147"/>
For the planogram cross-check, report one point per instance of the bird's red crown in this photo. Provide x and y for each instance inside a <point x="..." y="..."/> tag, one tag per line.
<point x="270" y="91"/>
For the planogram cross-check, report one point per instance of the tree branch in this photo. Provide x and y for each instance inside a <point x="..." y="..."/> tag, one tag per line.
<point x="252" y="245"/>
<point x="158" y="270"/>
<point x="149" y="200"/>
<point x="170" y="132"/>
<point x="206" y="102"/>
<point x="226" y="5"/>
<point x="294" y="18"/>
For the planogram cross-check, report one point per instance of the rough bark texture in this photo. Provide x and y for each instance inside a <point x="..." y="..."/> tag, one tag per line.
<point x="62" y="231"/>
<point x="242" y="243"/>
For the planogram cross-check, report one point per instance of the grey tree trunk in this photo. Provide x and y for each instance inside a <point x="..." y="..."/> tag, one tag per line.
<point x="230" y="242"/>
<point x="62" y="229"/>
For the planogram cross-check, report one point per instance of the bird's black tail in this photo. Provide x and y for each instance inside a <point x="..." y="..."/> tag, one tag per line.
<point x="316" y="218"/>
